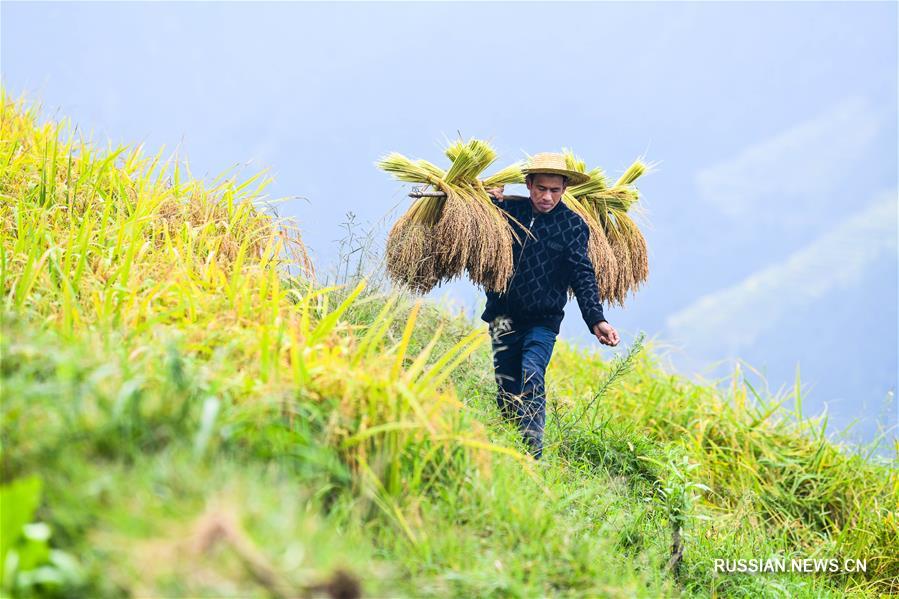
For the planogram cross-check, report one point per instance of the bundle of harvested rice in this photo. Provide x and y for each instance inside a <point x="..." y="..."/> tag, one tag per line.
<point x="617" y="247"/>
<point x="459" y="230"/>
<point x="601" y="253"/>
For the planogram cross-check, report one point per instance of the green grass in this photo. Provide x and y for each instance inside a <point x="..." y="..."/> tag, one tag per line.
<point x="201" y="423"/>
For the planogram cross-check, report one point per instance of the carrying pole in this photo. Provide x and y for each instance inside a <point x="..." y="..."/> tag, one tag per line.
<point x="440" y="194"/>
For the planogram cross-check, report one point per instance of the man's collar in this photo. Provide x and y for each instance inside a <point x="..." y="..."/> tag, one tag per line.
<point x="535" y="212"/>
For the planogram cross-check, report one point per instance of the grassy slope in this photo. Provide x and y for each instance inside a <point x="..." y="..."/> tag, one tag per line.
<point x="203" y="424"/>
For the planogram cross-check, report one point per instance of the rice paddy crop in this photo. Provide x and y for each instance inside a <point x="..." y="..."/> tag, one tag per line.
<point x="183" y="416"/>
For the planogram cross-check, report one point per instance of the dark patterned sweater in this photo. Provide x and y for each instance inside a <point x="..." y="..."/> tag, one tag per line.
<point x="545" y="266"/>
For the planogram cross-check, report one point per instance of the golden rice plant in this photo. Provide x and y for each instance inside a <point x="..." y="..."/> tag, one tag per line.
<point x="118" y="236"/>
<point x="608" y="209"/>
<point x="440" y="238"/>
<point x="116" y="245"/>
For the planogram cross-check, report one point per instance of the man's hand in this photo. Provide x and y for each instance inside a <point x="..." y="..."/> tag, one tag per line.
<point x="497" y="192"/>
<point x="606" y="333"/>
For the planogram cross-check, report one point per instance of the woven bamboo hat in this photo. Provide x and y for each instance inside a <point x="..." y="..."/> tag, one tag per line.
<point x="551" y="163"/>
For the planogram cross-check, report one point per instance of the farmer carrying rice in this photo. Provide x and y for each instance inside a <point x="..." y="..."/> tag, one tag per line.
<point x="549" y="258"/>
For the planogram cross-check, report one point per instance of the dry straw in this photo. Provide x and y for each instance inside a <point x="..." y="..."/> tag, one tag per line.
<point x="440" y="238"/>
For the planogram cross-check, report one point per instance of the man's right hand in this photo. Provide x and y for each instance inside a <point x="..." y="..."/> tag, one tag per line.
<point x="497" y="192"/>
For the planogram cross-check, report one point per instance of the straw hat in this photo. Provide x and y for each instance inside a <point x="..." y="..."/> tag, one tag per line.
<point x="550" y="163"/>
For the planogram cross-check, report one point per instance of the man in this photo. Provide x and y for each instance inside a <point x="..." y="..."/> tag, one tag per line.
<point x="550" y="257"/>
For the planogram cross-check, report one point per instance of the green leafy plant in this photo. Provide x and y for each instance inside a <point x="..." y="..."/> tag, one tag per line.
<point x="28" y="562"/>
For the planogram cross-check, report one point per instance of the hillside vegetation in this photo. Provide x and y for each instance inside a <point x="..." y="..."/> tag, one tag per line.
<point x="187" y="412"/>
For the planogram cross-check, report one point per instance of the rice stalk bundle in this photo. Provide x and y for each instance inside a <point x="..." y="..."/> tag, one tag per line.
<point x="509" y="175"/>
<point x="440" y="238"/>
<point x="600" y="251"/>
<point x="609" y="209"/>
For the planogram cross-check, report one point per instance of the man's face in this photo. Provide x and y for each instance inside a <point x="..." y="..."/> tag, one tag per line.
<point x="546" y="191"/>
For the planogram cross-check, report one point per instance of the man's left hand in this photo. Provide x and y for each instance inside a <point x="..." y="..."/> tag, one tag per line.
<point x="606" y="333"/>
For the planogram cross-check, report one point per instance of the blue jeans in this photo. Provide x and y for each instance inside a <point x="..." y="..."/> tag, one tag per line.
<point x="520" y="358"/>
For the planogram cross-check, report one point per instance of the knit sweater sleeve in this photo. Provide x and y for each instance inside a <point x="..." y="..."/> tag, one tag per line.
<point x="583" y="279"/>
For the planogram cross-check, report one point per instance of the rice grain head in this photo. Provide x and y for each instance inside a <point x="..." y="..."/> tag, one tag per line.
<point x="602" y="257"/>
<point x="637" y="250"/>
<point x="625" y="278"/>
<point x="410" y="257"/>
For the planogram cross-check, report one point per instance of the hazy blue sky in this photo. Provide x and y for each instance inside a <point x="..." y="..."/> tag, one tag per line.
<point x="773" y="214"/>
